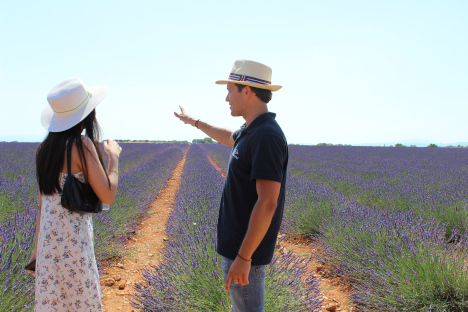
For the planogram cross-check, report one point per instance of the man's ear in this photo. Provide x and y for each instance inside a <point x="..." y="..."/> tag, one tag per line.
<point x="247" y="91"/>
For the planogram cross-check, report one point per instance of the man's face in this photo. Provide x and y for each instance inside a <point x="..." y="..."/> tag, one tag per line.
<point x="235" y="99"/>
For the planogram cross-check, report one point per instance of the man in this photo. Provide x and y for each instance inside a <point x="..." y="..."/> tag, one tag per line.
<point x="252" y="202"/>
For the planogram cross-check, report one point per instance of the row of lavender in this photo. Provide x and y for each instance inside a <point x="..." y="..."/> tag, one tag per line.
<point x="428" y="181"/>
<point x="188" y="278"/>
<point x="144" y="170"/>
<point x="392" y="220"/>
<point x="18" y="209"/>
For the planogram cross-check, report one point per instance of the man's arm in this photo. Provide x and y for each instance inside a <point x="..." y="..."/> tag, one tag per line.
<point x="222" y="135"/>
<point x="260" y="220"/>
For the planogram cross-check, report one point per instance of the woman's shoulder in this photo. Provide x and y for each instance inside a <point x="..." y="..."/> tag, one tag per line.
<point x="88" y="144"/>
<point x="86" y="140"/>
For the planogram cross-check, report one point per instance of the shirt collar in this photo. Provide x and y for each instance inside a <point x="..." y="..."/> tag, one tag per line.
<point x="257" y="122"/>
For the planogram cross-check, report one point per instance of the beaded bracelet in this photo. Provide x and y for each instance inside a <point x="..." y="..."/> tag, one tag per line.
<point x="244" y="258"/>
<point x="115" y="170"/>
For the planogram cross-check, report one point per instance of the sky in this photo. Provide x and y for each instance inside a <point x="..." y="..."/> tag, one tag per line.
<point x="353" y="72"/>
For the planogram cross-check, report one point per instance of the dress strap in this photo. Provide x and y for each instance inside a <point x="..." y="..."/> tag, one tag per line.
<point x="69" y="147"/>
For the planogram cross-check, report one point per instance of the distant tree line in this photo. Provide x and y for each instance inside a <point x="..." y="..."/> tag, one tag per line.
<point x="331" y="144"/>
<point x="197" y="141"/>
<point x="458" y="146"/>
<point x="206" y="140"/>
<point x="151" y="141"/>
<point x="430" y="145"/>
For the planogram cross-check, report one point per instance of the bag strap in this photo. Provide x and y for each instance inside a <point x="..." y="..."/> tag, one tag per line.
<point x="69" y="147"/>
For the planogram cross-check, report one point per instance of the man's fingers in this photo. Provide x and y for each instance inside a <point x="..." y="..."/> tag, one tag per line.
<point x="180" y="117"/>
<point x="239" y="279"/>
<point x="244" y="281"/>
<point x="228" y="283"/>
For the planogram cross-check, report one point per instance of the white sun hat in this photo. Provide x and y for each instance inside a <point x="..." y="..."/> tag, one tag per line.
<point x="69" y="103"/>
<point x="251" y="73"/>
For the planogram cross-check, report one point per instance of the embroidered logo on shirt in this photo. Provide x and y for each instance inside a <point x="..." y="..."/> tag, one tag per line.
<point x="235" y="153"/>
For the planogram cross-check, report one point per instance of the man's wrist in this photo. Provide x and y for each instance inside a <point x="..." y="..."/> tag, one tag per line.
<point x="243" y="258"/>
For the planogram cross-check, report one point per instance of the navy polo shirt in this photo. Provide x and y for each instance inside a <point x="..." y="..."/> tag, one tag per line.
<point x="260" y="152"/>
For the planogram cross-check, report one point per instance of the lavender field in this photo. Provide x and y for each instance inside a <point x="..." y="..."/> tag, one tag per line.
<point x="392" y="222"/>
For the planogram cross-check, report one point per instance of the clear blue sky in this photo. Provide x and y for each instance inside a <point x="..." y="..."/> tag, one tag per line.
<point x="352" y="71"/>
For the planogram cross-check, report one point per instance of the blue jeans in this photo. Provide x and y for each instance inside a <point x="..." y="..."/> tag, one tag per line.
<point x="249" y="298"/>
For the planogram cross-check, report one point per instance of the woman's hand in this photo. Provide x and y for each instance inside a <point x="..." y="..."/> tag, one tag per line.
<point x="33" y="257"/>
<point x="112" y="148"/>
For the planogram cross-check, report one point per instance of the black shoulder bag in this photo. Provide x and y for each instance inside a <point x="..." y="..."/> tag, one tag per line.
<point x="76" y="196"/>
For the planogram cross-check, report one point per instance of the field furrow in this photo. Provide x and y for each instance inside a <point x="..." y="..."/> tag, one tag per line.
<point x="144" y="248"/>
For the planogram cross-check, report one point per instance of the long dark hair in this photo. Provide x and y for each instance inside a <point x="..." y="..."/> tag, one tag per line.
<point x="50" y="155"/>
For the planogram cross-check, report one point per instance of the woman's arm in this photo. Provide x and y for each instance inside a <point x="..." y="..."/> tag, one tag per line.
<point x="38" y="226"/>
<point x="97" y="176"/>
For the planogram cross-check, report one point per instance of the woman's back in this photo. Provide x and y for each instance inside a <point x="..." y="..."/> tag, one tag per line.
<point x="67" y="278"/>
<point x="75" y="163"/>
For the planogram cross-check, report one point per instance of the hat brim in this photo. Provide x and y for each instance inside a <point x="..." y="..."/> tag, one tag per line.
<point x="55" y="123"/>
<point x="251" y="84"/>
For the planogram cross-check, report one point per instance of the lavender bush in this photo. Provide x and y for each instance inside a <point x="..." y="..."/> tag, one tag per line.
<point x="16" y="286"/>
<point x="189" y="278"/>
<point x="18" y="209"/>
<point x="398" y="261"/>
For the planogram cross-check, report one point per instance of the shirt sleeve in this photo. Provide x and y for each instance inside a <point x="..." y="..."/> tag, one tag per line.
<point x="267" y="152"/>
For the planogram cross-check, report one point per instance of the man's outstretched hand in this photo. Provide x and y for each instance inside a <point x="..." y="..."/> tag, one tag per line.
<point x="186" y="118"/>
<point x="222" y="135"/>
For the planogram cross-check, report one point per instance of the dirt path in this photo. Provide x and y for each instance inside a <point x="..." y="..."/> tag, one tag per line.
<point x="335" y="293"/>
<point x="144" y="249"/>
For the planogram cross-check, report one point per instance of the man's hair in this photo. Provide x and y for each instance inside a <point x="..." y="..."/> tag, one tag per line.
<point x="263" y="94"/>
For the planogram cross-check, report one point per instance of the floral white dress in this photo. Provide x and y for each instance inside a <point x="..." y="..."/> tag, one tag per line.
<point x="67" y="278"/>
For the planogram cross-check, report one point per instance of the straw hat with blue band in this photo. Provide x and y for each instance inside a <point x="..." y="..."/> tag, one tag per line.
<point x="69" y="103"/>
<point x="251" y="73"/>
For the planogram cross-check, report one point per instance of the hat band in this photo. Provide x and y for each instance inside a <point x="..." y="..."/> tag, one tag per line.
<point x="237" y="77"/>
<point x="83" y="102"/>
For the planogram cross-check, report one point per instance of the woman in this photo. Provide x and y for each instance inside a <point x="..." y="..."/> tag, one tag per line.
<point x="67" y="278"/>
